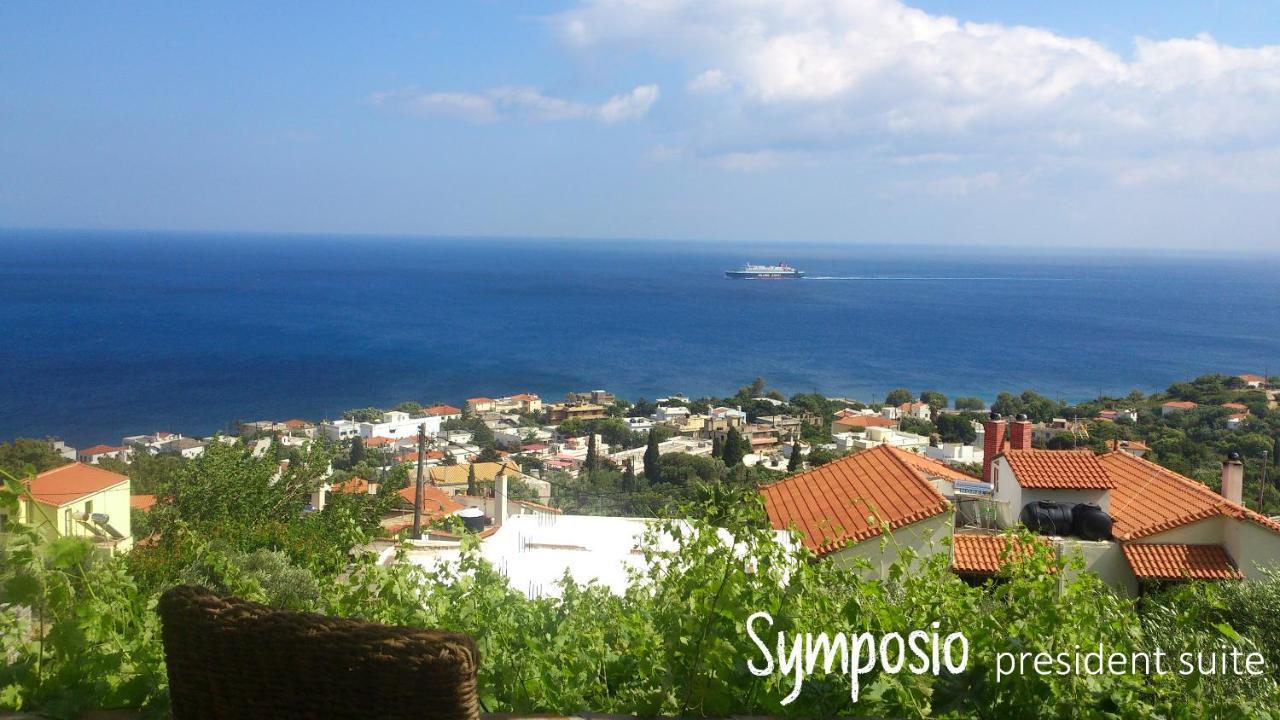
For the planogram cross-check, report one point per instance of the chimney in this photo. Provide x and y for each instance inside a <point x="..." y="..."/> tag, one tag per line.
<point x="1233" y="479"/>
<point x="1020" y="433"/>
<point x="992" y="444"/>
<point x="500" y="499"/>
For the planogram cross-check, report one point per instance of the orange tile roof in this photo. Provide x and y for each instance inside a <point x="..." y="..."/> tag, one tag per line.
<point x="1058" y="469"/>
<point x="1155" y="561"/>
<point x="1250" y="377"/>
<point x="433" y="410"/>
<point x="142" y="502"/>
<point x="435" y="503"/>
<point x="1184" y="404"/>
<point x="848" y="499"/>
<point x="1150" y="499"/>
<point x="99" y="450"/>
<point x="987" y="554"/>
<point x="475" y="400"/>
<point x="66" y="484"/>
<point x="524" y="396"/>
<point x="353" y="486"/>
<point x="379" y="441"/>
<point x="295" y="424"/>
<point x="1235" y="406"/>
<point x="864" y="421"/>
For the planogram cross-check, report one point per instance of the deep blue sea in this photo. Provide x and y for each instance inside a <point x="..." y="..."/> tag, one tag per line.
<point x="112" y="334"/>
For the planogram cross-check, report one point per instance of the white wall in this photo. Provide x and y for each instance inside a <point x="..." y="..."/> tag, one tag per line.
<point x="924" y="537"/>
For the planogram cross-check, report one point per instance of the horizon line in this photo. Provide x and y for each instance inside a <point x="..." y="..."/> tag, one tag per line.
<point x="1236" y="252"/>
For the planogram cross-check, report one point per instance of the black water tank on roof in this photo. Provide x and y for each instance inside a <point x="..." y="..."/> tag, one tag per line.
<point x="1089" y="522"/>
<point x="1046" y="517"/>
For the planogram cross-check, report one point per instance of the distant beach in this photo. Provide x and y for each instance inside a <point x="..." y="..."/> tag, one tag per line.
<point x="112" y="334"/>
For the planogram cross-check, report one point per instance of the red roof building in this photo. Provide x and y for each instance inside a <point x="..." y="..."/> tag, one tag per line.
<point x="66" y="484"/>
<point x="853" y="499"/>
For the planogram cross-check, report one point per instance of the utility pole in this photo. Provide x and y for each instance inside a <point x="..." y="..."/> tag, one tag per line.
<point x="417" y="486"/>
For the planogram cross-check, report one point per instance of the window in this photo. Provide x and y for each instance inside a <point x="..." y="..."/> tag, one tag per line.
<point x="88" y="507"/>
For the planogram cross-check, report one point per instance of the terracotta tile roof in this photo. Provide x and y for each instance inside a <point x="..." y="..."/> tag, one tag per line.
<point x="1150" y="499"/>
<point x="435" y="503"/>
<point x="66" y="484"/>
<point x="1058" y="469"/>
<point x="1235" y="406"/>
<point x="476" y="400"/>
<point x="1183" y="404"/>
<point x="433" y="410"/>
<point x="1155" y="561"/>
<point x="848" y="499"/>
<point x="99" y="450"/>
<point x="142" y="502"/>
<point x="353" y="486"/>
<point x="986" y="554"/>
<point x="524" y="396"/>
<point x="864" y="421"/>
<point x="1250" y="377"/>
<point x="412" y="456"/>
<point x="295" y="424"/>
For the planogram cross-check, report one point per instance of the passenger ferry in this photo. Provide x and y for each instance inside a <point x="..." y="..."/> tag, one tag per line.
<point x="781" y="271"/>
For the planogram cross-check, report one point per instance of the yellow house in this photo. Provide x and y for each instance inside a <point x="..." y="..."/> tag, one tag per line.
<point x="78" y="500"/>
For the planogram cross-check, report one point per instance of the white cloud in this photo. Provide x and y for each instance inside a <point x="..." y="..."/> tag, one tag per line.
<point x="519" y="102"/>
<point x="709" y="82"/>
<point x="875" y="73"/>
<point x="630" y="106"/>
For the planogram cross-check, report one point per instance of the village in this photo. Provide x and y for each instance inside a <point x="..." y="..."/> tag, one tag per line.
<point x="839" y="474"/>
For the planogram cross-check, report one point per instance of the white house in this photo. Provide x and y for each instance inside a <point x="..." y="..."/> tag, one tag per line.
<point x="339" y="430"/>
<point x="667" y="413"/>
<point x="875" y="436"/>
<point x="955" y="453"/>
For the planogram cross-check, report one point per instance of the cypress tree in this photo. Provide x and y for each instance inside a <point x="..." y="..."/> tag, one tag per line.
<point x="794" y="463"/>
<point x="651" y="460"/>
<point x="717" y="447"/>
<point x="472" y="490"/>
<point x="591" y="462"/>
<point x="628" y="478"/>
<point x="357" y="451"/>
<point x="733" y="448"/>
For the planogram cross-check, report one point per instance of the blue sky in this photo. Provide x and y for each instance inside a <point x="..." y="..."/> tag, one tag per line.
<point x="1152" y="125"/>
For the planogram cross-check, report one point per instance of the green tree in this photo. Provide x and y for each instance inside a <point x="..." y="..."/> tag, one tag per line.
<point x="970" y="403"/>
<point x="368" y="414"/>
<point x="934" y="400"/>
<point x="898" y="396"/>
<point x="717" y="447"/>
<point x="591" y="463"/>
<point x="955" y="428"/>
<point x="472" y="489"/>
<point x="357" y="454"/>
<point x="820" y="456"/>
<point x="794" y="463"/>
<point x="733" y="452"/>
<point x="651" y="471"/>
<point x="25" y="454"/>
<point x="913" y="424"/>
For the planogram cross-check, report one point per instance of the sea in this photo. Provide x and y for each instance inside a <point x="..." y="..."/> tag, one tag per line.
<point x="109" y="334"/>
